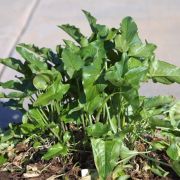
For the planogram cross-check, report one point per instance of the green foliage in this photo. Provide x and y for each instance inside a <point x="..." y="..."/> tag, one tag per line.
<point x="91" y="87"/>
<point x="2" y="159"/>
<point x="55" y="150"/>
<point x="106" y="154"/>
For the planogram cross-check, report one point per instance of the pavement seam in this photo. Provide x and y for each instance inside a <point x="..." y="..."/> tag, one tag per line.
<point x="23" y="29"/>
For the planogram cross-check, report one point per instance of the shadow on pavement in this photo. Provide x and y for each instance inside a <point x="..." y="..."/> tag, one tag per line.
<point x="8" y="116"/>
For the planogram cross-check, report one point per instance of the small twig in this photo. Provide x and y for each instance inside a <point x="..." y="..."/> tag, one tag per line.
<point x="129" y="157"/>
<point x="78" y="150"/>
<point x="156" y="161"/>
<point x="144" y="140"/>
<point x="55" y="176"/>
<point x="138" y="153"/>
<point x="45" y="168"/>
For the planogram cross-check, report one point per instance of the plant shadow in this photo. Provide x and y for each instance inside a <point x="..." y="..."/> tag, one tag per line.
<point x="8" y="115"/>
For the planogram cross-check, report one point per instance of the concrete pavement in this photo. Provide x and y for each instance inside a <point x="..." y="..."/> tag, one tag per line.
<point x="35" y="21"/>
<point x="158" y="22"/>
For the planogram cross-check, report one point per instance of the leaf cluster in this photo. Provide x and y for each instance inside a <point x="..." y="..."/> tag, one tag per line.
<point x="89" y="88"/>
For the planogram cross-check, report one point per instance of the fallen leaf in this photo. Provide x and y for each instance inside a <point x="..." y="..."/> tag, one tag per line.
<point x="21" y="147"/>
<point x="31" y="174"/>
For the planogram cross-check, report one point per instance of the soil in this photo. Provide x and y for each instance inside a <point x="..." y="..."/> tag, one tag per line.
<point x="56" y="169"/>
<point x="42" y="171"/>
<point x="22" y="168"/>
<point x="140" y="173"/>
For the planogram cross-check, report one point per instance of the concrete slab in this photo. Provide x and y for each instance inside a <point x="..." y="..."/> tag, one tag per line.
<point x="158" y="22"/>
<point x="15" y="16"/>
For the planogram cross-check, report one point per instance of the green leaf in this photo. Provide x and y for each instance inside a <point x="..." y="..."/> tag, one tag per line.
<point x="74" y="33"/>
<point x="54" y="127"/>
<point x="72" y="46"/>
<point x="54" y="151"/>
<point x="176" y="167"/>
<point x="97" y="130"/>
<point x="45" y="78"/>
<point x="128" y="29"/>
<point x="119" y="173"/>
<point x="106" y="155"/>
<point x="158" y="101"/>
<point x="20" y="88"/>
<point x="132" y="96"/>
<point x="128" y="36"/>
<point x="102" y="30"/>
<point x="72" y="62"/>
<point x="13" y="95"/>
<point x="157" y="122"/>
<point x="91" y="20"/>
<point x="96" y="51"/>
<point x="13" y="63"/>
<point x="114" y="74"/>
<point x="41" y="82"/>
<point x="7" y="135"/>
<point x="121" y="44"/>
<point x="124" y="177"/>
<point x="134" y="63"/>
<point x="36" y="116"/>
<point x="35" y="60"/>
<point x="142" y="50"/>
<point x="158" y="145"/>
<point x="93" y="104"/>
<point x="66" y="136"/>
<point x="135" y="76"/>
<point x="90" y="75"/>
<point x="27" y="128"/>
<point x="125" y="153"/>
<point x="55" y="91"/>
<point x="99" y="29"/>
<point x="113" y="124"/>
<point x="156" y="169"/>
<point x="88" y="52"/>
<point x="36" y="144"/>
<point x="112" y="33"/>
<point x="52" y="93"/>
<point x="92" y="83"/>
<point x="164" y="72"/>
<point x="173" y="151"/>
<point x="174" y="114"/>
<point x="74" y="117"/>
<point x="11" y="84"/>
<point x="2" y="160"/>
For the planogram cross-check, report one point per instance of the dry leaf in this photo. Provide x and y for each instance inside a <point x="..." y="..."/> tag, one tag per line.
<point x="31" y="174"/>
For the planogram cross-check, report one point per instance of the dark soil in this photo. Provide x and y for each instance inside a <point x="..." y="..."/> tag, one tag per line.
<point x="27" y="164"/>
<point x="53" y="168"/>
<point x="71" y="171"/>
<point x="26" y="168"/>
<point x="139" y="173"/>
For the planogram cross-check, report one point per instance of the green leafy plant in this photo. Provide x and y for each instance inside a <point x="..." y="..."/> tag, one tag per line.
<point x="86" y="96"/>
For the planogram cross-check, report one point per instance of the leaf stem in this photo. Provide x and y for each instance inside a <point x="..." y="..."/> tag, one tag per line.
<point x="108" y="114"/>
<point x="90" y="118"/>
<point x="156" y="161"/>
<point x="79" y="150"/>
<point x="83" y="121"/>
<point x="129" y="157"/>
